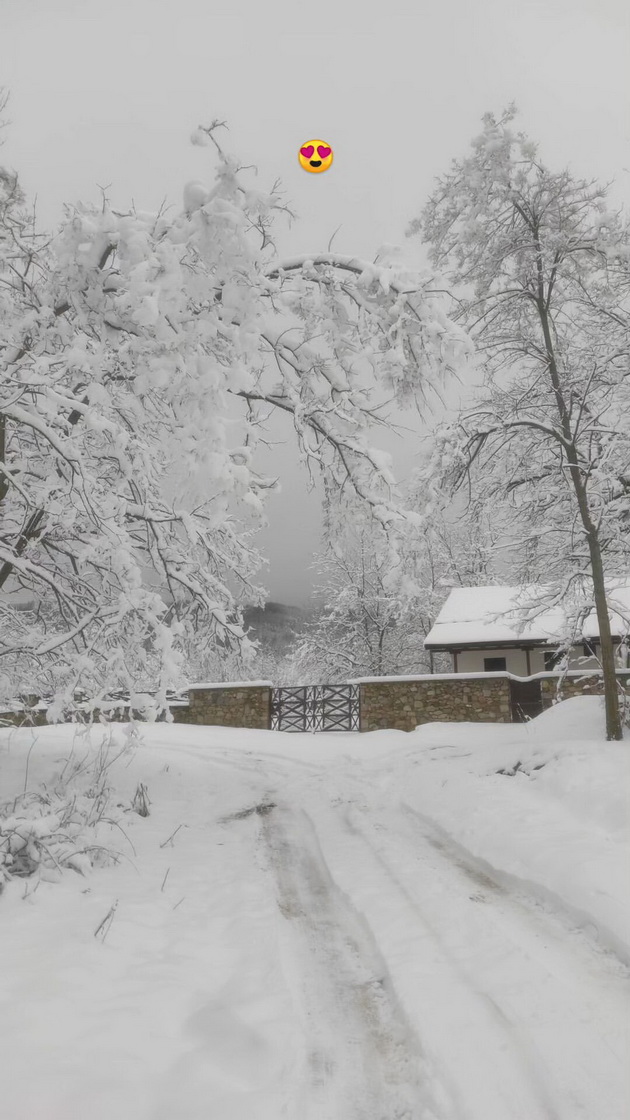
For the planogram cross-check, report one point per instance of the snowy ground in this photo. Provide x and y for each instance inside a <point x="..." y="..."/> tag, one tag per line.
<point x="345" y="927"/>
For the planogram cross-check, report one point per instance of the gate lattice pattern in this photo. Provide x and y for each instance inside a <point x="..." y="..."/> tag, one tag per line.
<point x="315" y="707"/>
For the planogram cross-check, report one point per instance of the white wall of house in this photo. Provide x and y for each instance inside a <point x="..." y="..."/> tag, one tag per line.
<point x="577" y="660"/>
<point x="473" y="660"/>
<point x="537" y="660"/>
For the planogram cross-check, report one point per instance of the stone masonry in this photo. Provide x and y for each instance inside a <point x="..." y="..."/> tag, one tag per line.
<point x="233" y="706"/>
<point x="239" y="705"/>
<point x="23" y="718"/>
<point x="555" y="687"/>
<point x="405" y="704"/>
<point x="401" y="704"/>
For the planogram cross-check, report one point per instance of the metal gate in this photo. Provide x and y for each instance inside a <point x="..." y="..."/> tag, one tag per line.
<point x="315" y="707"/>
<point x="526" y="700"/>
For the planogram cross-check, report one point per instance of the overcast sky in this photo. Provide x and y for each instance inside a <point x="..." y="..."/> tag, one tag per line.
<point x="107" y="94"/>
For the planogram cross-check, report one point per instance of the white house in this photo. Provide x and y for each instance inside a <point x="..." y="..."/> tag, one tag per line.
<point x="519" y="629"/>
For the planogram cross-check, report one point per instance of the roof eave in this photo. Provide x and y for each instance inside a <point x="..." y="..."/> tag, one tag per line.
<point x="529" y="643"/>
<point x="452" y="647"/>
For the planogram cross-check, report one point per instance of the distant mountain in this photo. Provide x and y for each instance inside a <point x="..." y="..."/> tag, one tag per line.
<point x="276" y="625"/>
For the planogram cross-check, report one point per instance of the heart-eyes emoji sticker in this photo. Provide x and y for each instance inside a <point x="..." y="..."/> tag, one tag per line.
<point x="315" y="156"/>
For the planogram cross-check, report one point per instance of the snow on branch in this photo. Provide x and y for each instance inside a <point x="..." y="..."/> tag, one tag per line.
<point x="129" y="493"/>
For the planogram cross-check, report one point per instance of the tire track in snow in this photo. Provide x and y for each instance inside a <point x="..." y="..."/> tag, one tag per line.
<point x="461" y="1030"/>
<point x="247" y="762"/>
<point x="512" y="1010"/>
<point x="534" y="897"/>
<point x="364" y="1062"/>
<point x="540" y="1015"/>
<point x="540" y="910"/>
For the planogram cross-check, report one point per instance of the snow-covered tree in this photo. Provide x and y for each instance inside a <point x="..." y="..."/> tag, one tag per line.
<point x="539" y="264"/>
<point x="459" y="541"/>
<point x="369" y="623"/>
<point x="140" y="355"/>
<point x="380" y="595"/>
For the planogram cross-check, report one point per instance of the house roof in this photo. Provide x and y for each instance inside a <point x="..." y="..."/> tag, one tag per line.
<point x="473" y="616"/>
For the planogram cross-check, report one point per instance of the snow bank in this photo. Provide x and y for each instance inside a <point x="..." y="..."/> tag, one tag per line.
<point x="161" y="987"/>
<point x="543" y="804"/>
<point x="591" y="780"/>
<point x="580" y="719"/>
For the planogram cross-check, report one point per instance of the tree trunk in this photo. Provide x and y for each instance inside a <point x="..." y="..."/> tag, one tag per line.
<point x="4" y="483"/>
<point x="614" y="729"/>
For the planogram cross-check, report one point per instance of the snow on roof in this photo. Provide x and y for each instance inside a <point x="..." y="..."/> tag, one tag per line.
<point x="473" y="615"/>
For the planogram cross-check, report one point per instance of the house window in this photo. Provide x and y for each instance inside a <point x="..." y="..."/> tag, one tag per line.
<point x="589" y="649"/>
<point x="494" y="664"/>
<point x="552" y="658"/>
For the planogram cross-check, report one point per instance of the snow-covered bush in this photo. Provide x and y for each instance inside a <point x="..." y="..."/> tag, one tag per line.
<point x="70" y="824"/>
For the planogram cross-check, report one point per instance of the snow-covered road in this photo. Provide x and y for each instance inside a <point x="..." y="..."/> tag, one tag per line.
<point x="427" y="988"/>
<point x="321" y="949"/>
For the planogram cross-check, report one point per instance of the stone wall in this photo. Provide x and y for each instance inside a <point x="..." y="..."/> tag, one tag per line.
<point x="239" y="705"/>
<point x="401" y="704"/>
<point x="23" y="718"/>
<point x="233" y="706"/>
<point x="181" y="713"/>
<point x="38" y="717"/>
<point x="404" y="704"/>
<point x="581" y="685"/>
